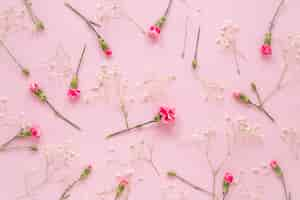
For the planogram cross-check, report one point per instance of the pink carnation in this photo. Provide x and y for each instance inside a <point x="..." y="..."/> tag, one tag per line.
<point x="167" y="114"/>
<point x="266" y="50"/>
<point x="273" y="164"/>
<point x="73" y="94"/>
<point x="34" y="87"/>
<point x="154" y="32"/>
<point x="108" y="52"/>
<point x="35" y="132"/>
<point x="236" y="94"/>
<point x="228" y="177"/>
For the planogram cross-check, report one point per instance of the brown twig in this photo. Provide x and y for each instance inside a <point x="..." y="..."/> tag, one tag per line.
<point x="4" y="146"/>
<point x="235" y="55"/>
<point x="35" y="20"/>
<point x="65" y="194"/>
<point x="80" y="61"/>
<point x="195" y="59"/>
<point x="185" y="37"/>
<point x="150" y="160"/>
<point x="166" y="13"/>
<point x="272" y="23"/>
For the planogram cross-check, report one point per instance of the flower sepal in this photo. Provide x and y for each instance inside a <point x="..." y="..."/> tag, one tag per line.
<point x="74" y="83"/>
<point x="86" y="172"/>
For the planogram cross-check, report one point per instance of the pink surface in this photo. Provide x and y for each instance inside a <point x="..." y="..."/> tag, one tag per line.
<point x="137" y="59"/>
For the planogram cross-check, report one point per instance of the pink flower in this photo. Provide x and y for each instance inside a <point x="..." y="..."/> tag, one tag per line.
<point x="236" y="94"/>
<point x="34" y="87"/>
<point x="154" y="32"/>
<point x="167" y="114"/>
<point x="108" y="52"/>
<point x="90" y="167"/>
<point x="266" y="50"/>
<point x="73" y="94"/>
<point x="273" y="164"/>
<point x="228" y="178"/>
<point x="124" y="182"/>
<point x="35" y="132"/>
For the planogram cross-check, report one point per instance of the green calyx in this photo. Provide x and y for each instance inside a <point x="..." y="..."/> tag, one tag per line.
<point x="104" y="46"/>
<point x="161" y="21"/>
<point x="74" y="83"/>
<point x="40" y="94"/>
<point x="39" y="25"/>
<point x="244" y="99"/>
<point x="157" y="118"/>
<point x="34" y="148"/>
<point x="26" y="71"/>
<point x="278" y="171"/>
<point x="86" y="172"/>
<point x="268" y="38"/>
<point x="253" y="86"/>
<point x="120" y="189"/>
<point x="25" y="132"/>
<point x="194" y="64"/>
<point x="171" y="174"/>
<point x="225" y="187"/>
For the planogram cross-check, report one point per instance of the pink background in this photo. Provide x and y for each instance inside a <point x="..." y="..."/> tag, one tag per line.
<point x="138" y="59"/>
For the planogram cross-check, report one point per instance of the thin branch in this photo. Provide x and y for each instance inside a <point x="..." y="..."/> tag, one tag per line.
<point x="235" y="55"/>
<point x="80" y="60"/>
<point x="65" y="194"/>
<point x="195" y="60"/>
<point x="272" y="23"/>
<point x="185" y="37"/>
<point x="168" y="8"/>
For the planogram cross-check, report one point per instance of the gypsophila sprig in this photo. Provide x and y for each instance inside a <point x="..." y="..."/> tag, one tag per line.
<point x="39" y="25"/>
<point x="23" y="69"/>
<point x="173" y="174"/>
<point x="227" y="182"/>
<point x="102" y="43"/>
<point x="278" y="171"/>
<point x="165" y="114"/>
<point x="24" y="133"/>
<point x="39" y="93"/>
<point x="83" y="176"/>
<point x="266" y="48"/>
<point x="243" y="98"/>
<point x="154" y="31"/>
<point x="74" y="91"/>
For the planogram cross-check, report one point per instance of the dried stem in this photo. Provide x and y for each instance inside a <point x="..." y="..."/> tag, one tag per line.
<point x="195" y="60"/>
<point x="35" y="20"/>
<point x="58" y="114"/>
<point x="124" y="112"/>
<point x="151" y="162"/>
<point x="272" y="23"/>
<point x="80" y="61"/>
<point x="185" y="37"/>
<point x="255" y="90"/>
<point x="235" y="55"/>
<point x="4" y="146"/>
<point x="286" y="193"/>
<point x="262" y="109"/>
<point x="15" y="148"/>
<point x="86" y="20"/>
<point x="23" y="69"/>
<point x="65" y="194"/>
<point x="183" y="180"/>
<point x="168" y="8"/>
<point x="130" y="19"/>
<point x="129" y="129"/>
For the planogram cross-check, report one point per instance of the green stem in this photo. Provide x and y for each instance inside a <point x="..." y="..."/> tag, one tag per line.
<point x="3" y="146"/>
<point x="272" y="23"/>
<point x="57" y="113"/>
<point x="168" y="8"/>
<point x="80" y="61"/>
<point x="130" y="128"/>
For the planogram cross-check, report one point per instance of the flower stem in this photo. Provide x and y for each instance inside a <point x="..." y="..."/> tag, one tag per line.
<point x="80" y="61"/>
<point x="185" y="37"/>
<point x="255" y="90"/>
<point x="65" y="194"/>
<point x="86" y="20"/>
<point x="23" y="69"/>
<point x="3" y="146"/>
<point x="195" y="60"/>
<point x="235" y="55"/>
<point x="287" y="195"/>
<point x="35" y="20"/>
<point x="262" y="109"/>
<point x="30" y="148"/>
<point x="183" y="180"/>
<point x="129" y="129"/>
<point x="272" y="23"/>
<point x="168" y="8"/>
<point x="57" y="113"/>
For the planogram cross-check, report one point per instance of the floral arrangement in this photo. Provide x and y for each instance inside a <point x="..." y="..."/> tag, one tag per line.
<point x="102" y="43"/>
<point x="74" y="92"/>
<point x="154" y="30"/>
<point x="26" y="132"/>
<point x="266" y="48"/>
<point x="165" y="114"/>
<point x="39" y="93"/>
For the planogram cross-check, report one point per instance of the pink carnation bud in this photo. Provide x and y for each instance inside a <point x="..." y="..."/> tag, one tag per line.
<point x="34" y="87"/>
<point x="266" y="50"/>
<point x="167" y="114"/>
<point x="236" y="94"/>
<point x="228" y="178"/>
<point x="124" y="182"/>
<point x="108" y="52"/>
<point x="154" y="32"/>
<point x="90" y="167"/>
<point x="35" y="132"/>
<point x="73" y="93"/>
<point x="273" y="164"/>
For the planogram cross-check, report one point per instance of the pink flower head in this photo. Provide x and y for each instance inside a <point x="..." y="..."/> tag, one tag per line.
<point x="34" y="87"/>
<point x="228" y="178"/>
<point x="35" y="132"/>
<point x="73" y="93"/>
<point x="273" y="164"/>
<point x="154" y="32"/>
<point x="167" y="114"/>
<point x="124" y="182"/>
<point x="108" y="52"/>
<point x="236" y="94"/>
<point x="266" y="50"/>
